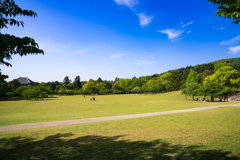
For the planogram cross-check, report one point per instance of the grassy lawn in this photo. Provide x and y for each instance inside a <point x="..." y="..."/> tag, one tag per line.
<point x="211" y="134"/>
<point x="78" y="107"/>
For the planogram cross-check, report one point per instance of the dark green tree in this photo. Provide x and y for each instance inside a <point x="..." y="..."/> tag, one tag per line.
<point x="108" y="84"/>
<point x="10" y="44"/>
<point x="53" y="86"/>
<point x="77" y="83"/>
<point x="3" y="83"/>
<point x="228" y="9"/>
<point x="220" y="65"/>
<point x="226" y="91"/>
<point x="204" y="75"/>
<point x="66" y="80"/>
<point x="213" y="89"/>
<point x="116" y="79"/>
<point x="175" y="80"/>
<point x="100" y="80"/>
<point x="14" y="84"/>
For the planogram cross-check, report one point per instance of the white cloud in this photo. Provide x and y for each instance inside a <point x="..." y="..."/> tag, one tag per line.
<point x="128" y="3"/>
<point x="185" y="25"/>
<point x="144" y="19"/>
<point x="234" y="50"/>
<point x="221" y="28"/>
<point x="82" y="51"/>
<point x="231" y="41"/>
<point x="118" y="55"/>
<point x="172" y="33"/>
<point x="144" y="62"/>
<point x="189" y="31"/>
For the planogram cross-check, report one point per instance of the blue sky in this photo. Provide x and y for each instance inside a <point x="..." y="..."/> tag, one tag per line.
<point x="120" y="38"/>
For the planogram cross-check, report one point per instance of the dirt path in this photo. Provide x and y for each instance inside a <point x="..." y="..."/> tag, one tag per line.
<point x="90" y="120"/>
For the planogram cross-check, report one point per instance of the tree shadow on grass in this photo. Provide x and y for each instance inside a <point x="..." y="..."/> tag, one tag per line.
<point x="58" y="146"/>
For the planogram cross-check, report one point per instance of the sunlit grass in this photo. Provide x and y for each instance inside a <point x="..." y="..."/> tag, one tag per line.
<point x="78" y="107"/>
<point x="209" y="134"/>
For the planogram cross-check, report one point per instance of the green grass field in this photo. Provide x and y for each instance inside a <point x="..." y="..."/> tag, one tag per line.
<point x="210" y="134"/>
<point x="78" y="107"/>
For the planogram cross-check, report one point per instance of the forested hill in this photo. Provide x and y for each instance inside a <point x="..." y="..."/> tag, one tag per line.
<point x="200" y="68"/>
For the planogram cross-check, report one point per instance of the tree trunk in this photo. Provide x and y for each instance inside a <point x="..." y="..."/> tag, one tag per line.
<point x="211" y="98"/>
<point x="186" y="97"/>
<point x="193" y="97"/>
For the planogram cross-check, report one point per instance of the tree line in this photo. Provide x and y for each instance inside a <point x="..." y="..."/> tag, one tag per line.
<point x="221" y="81"/>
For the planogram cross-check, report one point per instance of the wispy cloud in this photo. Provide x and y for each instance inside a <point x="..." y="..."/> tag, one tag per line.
<point x="144" y="62"/>
<point x="234" y="50"/>
<point x="144" y="19"/>
<point x="221" y="28"/>
<point x="81" y="51"/>
<point x="185" y="25"/>
<point x="86" y="50"/>
<point x="189" y="31"/>
<point x="172" y="33"/>
<point x="180" y="23"/>
<point x="118" y="55"/>
<point x="234" y="40"/>
<point x="128" y="3"/>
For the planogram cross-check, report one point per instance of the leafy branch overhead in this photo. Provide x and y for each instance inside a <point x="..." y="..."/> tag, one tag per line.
<point x="228" y="9"/>
<point x="9" y="8"/>
<point x="10" y="44"/>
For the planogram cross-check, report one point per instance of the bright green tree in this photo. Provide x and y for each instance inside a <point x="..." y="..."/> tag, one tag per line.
<point x="10" y="44"/>
<point x="136" y="83"/>
<point x="93" y="86"/>
<point x="192" y="89"/>
<point x="125" y="84"/>
<point x="184" y="90"/>
<point x="227" y="75"/>
<point x="228" y="9"/>
<point x="192" y="76"/>
<point x="152" y="81"/>
<point x="165" y="76"/>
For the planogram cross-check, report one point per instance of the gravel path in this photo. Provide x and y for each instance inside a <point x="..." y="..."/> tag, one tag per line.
<point x="90" y="120"/>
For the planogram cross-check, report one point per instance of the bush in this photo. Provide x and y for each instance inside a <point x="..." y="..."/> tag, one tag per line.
<point x="103" y="92"/>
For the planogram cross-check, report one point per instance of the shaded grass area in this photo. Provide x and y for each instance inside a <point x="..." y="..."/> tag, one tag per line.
<point x="78" y="107"/>
<point x="210" y="134"/>
<point x="102" y="147"/>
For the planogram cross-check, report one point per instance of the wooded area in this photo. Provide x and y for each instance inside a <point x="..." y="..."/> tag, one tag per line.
<point x="218" y="78"/>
